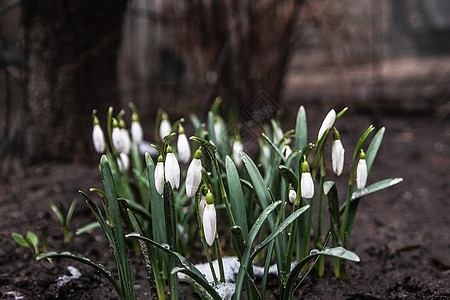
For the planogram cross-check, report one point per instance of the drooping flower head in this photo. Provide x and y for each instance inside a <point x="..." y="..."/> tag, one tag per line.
<point x="172" y="168"/>
<point x="98" y="138"/>
<point x="307" y="183"/>
<point x="164" y="128"/>
<point x="123" y="162"/>
<point x="159" y="175"/>
<point x="327" y="123"/>
<point x="209" y="219"/>
<point x="125" y="137"/>
<point x="183" y="147"/>
<point x="337" y="154"/>
<point x="292" y="196"/>
<point x="287" y="150"/>
<point x="237" y="149"/>
<point x="117" y="138"/>
<point x="137" y="133"/>
<point x="361" y="171"/>
<point x="194" y="174"/>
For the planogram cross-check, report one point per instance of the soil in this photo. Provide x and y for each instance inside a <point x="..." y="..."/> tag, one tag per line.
<point x="401" y="234"/>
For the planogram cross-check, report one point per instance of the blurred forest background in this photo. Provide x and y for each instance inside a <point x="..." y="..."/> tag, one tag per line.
<point x="61" y="59"/>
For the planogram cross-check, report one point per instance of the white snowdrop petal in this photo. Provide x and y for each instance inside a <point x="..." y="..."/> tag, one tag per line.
<point x="327" y="123"/>
<point x="361" y="174"/>
<point x="237" y="149"/>
<point x="172" y="170"/>
<point x="201" y="207"/>
<point x="159" y="177"/>
<point x="137" y="133"/>
<point x="183" y="147"/>
<point x="337" y="157"/>
<point x="164" y="129"/>
<point x="118" y="140"/>
<point x="124" y="162"/>
<point x="292" y="196"/>
<point x="209" y="223"/>
<point x="193" y="177"/>
<point x="98" y="139"/>
<point x="307" y="185"/>
<point x="126" y="141"/>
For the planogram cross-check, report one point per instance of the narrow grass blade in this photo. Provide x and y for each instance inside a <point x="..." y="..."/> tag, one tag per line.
<point x="85" y="261"/>
<point x="246" y="262"/>
<point x="372" y="151"/>
<point x="100" y="219"/>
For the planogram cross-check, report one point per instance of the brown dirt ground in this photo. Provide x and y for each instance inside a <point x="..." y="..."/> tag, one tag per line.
<point x="401" y="234"/>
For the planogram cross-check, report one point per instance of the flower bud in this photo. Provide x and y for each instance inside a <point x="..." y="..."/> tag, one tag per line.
<point x="123" y="161"/>
<point x="194" y="174"/>
<point x="159" y="175"/>
<point x="172" y="169"/>
<point x="164" y="128"/>
<point x="137" y="133"/>
<point x="183" y="147"/>
<point x="98" y="138"/>
<point x="292" y="196"/>
<point x="337" y="154"/>
<point x="327" y="123"/>
<point x="307" y="183"/>
<point x="209" y="219"/>
<point x="237" y="149"/>
<point x="361" y="171"/>
<point x="125" y="137"/>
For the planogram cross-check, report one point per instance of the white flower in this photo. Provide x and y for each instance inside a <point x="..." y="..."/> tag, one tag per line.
<point x="126" y="141"/>
<point x="164" y="128"/>
<point x="183" y="147"/>
<point x="292" y="196"/>
<point x="137" y="133"/>
<point x="237" y="149"/>
<point x="327" y="123"/>
<point x="287" y="150"/>
<point x="201" y="207"/>
<point x="337" y="156"/>
<point x="124" y="162"/>
<point x="306" y="183"/>
<point x="194" y="174"/>
<point x="361" y="172"/>
<point x="98" y="139"/>
<point x="218" y="132"/>
<point x="118" y="141"/>
<point x="159" y="175"/>
<point x="172" y="169"/>
<point x="209" y="223"/>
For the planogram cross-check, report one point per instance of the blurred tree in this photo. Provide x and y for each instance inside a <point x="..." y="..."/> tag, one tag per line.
<point x="71" y="57"/>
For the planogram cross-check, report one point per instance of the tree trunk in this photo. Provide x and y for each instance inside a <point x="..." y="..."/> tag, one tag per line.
<point x="71" y="55"/>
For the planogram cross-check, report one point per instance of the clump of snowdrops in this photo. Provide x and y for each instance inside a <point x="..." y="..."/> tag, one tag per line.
<point x="167" y="196"/>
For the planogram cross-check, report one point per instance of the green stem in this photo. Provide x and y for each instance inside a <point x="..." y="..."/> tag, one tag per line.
<point x="219" y="259"/>
<point x="291" y="245"/>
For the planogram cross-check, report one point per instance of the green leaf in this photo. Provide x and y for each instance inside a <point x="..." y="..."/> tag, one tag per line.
<point x="86" y="261"/>
<point x="274" y="147"/>
<point x="70" y="212"/>
<point x="33" y="239"/>
<point x="280" y="228"/>
<point x="194" y="273"/>
<point x="301" y="130"/>
<point x="246" y="262"/>
<point x="289" y="176"/>
<point x="87" y="228"/>
<point x="377" y="186"/>
<point x="136" y="207"/>
<point x="330" y="189"/>
<point x="19" y="239"/>
<point x="236" y="196"/>
<point x="57" y="212"/>
<point x="199" y="280"/>
<point x="372" y="151"/>
<point x="338" y="252"/>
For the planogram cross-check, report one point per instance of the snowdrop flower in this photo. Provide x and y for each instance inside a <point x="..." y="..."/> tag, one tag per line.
<point x="327" y="123"/>
<point x="292" y="196"/>
<point x="117" y="137"/>
<point x="194" y="174"/>
<point x="209" y="219"/>
<point x="124" y="162"/>
<point x="159" y="175"/>
<point x="183" y="147"/>
<point x="202" y="205"/>
<point x="361" y="171"/>
<point x="125" y="137"/>
<point x="237" y="149"/>
<point x="137" y="133"/>
<point x="287" y="149"/>
<point x="172" y="169"/>
<point x="307" y="183"/>
<point x="164" y="128"/>
<point x="337" y="154"/>
<point x="98" y="138"/>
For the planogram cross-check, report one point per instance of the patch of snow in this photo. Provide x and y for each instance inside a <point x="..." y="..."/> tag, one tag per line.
<point x="225" y="290"/>
<point x="75" y="274"/>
